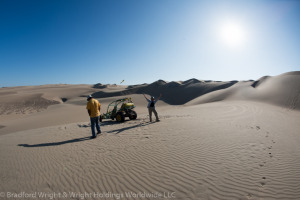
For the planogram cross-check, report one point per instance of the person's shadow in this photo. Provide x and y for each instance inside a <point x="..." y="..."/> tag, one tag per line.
<point x="56" y="143"/>
<point x="117" y="131"/>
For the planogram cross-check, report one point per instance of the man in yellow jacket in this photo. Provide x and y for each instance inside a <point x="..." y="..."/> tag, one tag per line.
<point x="93" y="106"/>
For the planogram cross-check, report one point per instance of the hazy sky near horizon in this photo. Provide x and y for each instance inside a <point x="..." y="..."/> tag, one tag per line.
<point x="141" y="41"/>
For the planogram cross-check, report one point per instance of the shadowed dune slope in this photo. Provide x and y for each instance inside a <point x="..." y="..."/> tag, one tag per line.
<point x="174" y="93"/>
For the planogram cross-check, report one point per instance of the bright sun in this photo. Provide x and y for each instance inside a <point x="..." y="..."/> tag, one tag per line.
<point x="232" y="34"/>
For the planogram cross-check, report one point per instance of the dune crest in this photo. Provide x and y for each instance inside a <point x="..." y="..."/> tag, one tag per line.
<point x="260" y="81"/>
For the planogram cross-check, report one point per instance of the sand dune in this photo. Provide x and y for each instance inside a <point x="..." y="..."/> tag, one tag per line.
<point x="27" y="103"/>
<point x="282" y="90"/>
<point x="216" y="140"/>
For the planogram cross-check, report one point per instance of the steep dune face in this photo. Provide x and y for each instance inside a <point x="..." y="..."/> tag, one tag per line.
<point x="259" y="81"/>
<point x="282" y="90"/>
<point x="240" y="91"/>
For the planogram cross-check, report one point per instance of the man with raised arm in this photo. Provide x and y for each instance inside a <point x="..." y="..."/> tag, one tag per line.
<point x="151" y="106"/>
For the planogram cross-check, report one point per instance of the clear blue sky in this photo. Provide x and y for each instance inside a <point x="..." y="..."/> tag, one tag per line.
<point x="141" y="41"/>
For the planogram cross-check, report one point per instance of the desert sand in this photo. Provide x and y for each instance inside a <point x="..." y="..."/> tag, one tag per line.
<point x="216" y="140"/>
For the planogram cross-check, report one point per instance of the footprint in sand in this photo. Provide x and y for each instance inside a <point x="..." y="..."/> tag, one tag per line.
<point x="262" y="184"/>
<point x="249" y="196"/>
<point x="270" y="155"/>
<point x="267" y="135"/>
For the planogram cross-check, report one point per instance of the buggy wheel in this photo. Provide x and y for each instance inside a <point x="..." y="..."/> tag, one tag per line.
<point x="120" y="117"/>
<point x="132" y="115"/>
<point x="100" y="118"/>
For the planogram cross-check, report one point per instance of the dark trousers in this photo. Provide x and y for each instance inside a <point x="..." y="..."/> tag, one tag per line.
<point x="152" y="109"/>
<point x="95" y="122"/>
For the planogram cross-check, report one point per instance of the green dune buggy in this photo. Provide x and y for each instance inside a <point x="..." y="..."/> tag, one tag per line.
<point x="120" y="109"/>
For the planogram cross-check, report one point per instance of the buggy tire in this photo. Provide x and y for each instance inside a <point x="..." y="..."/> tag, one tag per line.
<point x="120" y="117"/>
<point x="132" y="115"/>
<point x="100" y="118"/>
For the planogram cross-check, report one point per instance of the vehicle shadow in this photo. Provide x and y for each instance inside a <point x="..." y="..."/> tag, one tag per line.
<point x="103" y="123"/>
<point x="56" y="143"/>
<point x="117" y="131"/>
<point x="109" y="122"/>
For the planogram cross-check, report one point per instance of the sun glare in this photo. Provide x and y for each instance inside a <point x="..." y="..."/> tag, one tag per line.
<point x="232" y="34"/>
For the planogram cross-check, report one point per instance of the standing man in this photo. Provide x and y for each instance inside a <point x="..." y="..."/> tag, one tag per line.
<point x="151" y="107"/>
<point x="93" y="106"/>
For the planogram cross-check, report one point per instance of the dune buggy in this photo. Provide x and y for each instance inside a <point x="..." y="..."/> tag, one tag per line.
<point x="120" y="109"/>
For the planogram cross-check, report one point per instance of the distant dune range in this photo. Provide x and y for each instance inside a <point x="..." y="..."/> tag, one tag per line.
<point x="216" y="140"/>
<point x="282" y="90"/>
